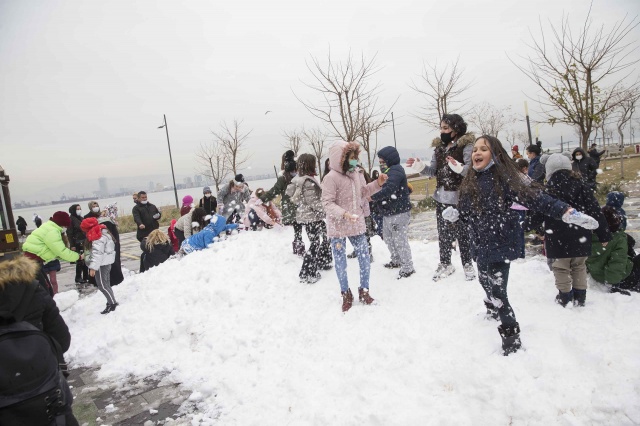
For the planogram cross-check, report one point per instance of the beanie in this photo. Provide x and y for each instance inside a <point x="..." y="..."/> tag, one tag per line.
<point x="515" y="148"/>
<point x="187" y="199"/>
<point x="612" y="217"/>
<point x="88" y="223"/>
<point x="290" y="166"/>
<point x="239" y="178"/>
<point x="556" y="162"/>
<point x="289" y="155"/>
<point x="61" y="219"/>
<point x="206" y="189"/>
<point x="92" y="228"/>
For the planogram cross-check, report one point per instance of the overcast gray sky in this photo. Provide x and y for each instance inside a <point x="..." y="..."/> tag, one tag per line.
<point x="85" y="83"/>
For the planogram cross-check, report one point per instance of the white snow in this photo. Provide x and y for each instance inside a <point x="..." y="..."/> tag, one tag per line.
<point x="252" y="345"/>
<point x="582" y="239"/>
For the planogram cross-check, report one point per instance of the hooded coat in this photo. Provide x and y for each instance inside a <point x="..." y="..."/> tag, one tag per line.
<point x="74" y="233"/>
<point x="260" y="208"/>
<point x="393" y="198"/>
<point x="536" y="170"/>
<point x="46" y="243"/>
<point x="202" y="239"/>
<point x="103" y="251"/>
<point x="615" y="199"/>
<point x="306" y="193"/>
<point x="344" y="192"/>
<point x="610" y="264"/>
<point x="586" y="166"/>
<point x="21" y="224"/>
<point x="233" y="201"/>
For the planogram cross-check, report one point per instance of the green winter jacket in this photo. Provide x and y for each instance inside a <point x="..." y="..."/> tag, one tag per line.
<point x="286" y="205"/>
<point x="46" y="243"/>
<point x="609" y="264"/>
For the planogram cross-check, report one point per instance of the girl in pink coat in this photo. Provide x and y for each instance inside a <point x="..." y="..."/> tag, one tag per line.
<point x="344" y="195"/>
<point x="259" y="214"/>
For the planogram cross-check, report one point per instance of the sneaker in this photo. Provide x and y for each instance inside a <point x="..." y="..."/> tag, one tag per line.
<point x="352" y="255"/>
<point x="469" y="272"/>
<point x="310" y="279"/>
<point x="443" y="271"/>
<point x="404" y="274"/>
<point x="391" y="265"/>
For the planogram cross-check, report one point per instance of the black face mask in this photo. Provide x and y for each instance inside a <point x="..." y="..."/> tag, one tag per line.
<point x="446" y="138"/>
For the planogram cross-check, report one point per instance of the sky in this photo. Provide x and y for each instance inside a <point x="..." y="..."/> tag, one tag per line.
<point x="85" y="84"/>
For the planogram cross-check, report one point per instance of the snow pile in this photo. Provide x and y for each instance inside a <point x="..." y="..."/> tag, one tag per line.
<point x="234" y="326"/>
<point x="66" y="299"/>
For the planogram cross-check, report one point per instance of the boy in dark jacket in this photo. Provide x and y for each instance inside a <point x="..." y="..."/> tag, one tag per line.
<point x="395" y="207"/>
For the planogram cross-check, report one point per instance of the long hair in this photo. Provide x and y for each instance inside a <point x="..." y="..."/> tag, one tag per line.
<point x="156" y="237"/>
<point x="506" y="175"/>
<point x="307" y="165"/>
<point x="198" y="215"/>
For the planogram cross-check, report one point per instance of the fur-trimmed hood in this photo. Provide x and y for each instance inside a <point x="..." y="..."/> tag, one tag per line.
<point x="339" y="151"/>
<point x="466" y="139"/>
<point x="18" y="270"/>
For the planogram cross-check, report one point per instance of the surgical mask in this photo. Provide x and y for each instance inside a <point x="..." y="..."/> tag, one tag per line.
<point x="446" y="138"/>
<point x="95" y="209"/>
<point x="144" y="202"/>
<point x="208" y="195"/>
<point x="578" y="157"/>
<point x="353" y="164"/>
<point x="383" y="165"/>
<point x="79" y="212"/>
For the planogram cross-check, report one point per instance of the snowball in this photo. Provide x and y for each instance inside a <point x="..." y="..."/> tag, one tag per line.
<point x="583" y="239"/>
<point x="394" y="197"/>
<point x="152" y="411"/>
<point x="599" y="171"/>
<point x="549" y="231"/>
<point x="66" y="299"/>
<point x="110" y="408"/>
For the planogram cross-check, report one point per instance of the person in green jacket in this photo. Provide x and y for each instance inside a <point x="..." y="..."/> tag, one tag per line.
<point x="45" y="244"/>
<point x="609" y="263"/>
<point x="288" y="208"/>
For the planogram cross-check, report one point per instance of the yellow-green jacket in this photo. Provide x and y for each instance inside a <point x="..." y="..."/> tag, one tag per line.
<point x="46" y="243"/>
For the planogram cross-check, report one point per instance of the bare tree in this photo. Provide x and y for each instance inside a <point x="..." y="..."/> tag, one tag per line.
<point x="580" y="72"/>
<point x="489" y="119"/>
<point x="232" y="141"/>
<point x="293" y="140"/>
<point x="443" y="89"/>
<point x="625" y="110"/>
<point x="371" y="147"/>
<point x="317" y="141"/>
<point x="513" y="137"/>
<point x="349" y="100"/>
<point x="213" y="162"/>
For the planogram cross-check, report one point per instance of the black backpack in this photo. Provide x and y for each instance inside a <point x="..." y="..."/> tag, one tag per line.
<point x="32" y="388"/>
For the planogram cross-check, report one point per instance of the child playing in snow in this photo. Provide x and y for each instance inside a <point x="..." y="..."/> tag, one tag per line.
<point x="344" y="191"/>
<point x="567" y="247"/>
<point x="204" y="238"/>
<point x="486" y="196"/>
<point x="101" y="247"/>
<point x="258" y="213"/>
<point x="306" y="193"/>
<point x="156" y="248"/>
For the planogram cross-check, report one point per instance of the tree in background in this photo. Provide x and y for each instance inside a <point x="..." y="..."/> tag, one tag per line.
<point x="232" y="141"/>
<point x="489" y="119"/>
<point x="317" y="139"/>
<point x="213" y="162"/>
<point x="293" y="140"/>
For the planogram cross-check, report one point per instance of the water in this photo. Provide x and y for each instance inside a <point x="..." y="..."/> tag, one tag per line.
<point x="125" y="203"/>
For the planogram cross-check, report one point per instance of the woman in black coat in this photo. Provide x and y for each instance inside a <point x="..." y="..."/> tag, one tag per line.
<point x="22" y="225"/>
<point x="586" y="166"/>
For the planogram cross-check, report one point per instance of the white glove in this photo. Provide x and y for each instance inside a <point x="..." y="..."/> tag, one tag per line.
<point x="156" y="216"/>
<point x="418" y="165"/>
<point x="458" y="168"/>
<point x="450" y="214"/>
<point x="583" y="220"/>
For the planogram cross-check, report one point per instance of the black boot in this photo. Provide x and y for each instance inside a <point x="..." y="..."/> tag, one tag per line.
<point x="579" y="297"/>
<point x="107" y="309"/>
<point x="510" y="338"/>
<point x="563" y="299"/>
<point x="492" y="311"/>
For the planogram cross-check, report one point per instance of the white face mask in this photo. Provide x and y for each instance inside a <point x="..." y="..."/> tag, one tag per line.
<point x="95" y="209"/>
<point x="207" y="195"/>
<point x="79" y="212"/>
<point x="144" y="202"/>
<point x="578" y="157"/>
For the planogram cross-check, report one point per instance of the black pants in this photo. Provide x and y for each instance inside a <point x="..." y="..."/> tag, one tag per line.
<point x="312" y="256"/>
<point x="254" y="220"/>
<point x="82" y="272"/>
<point x="297" y="231"/>
<point x="493" y="278"/>
<point x="448" y="232"/>
<point x="179" y="235"/>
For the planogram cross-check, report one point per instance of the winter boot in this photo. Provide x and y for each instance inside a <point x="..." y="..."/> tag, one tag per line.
<point x="404" y="274"/>
<point x="310" y="279"/>
<point x="510" y="338"/>
<point x="347" y="300"/>
<point x="391" y="265"/>
<point x="469" y="272"/>
<point x="363" y="296"/>
<point x="492" y="311"/>
<point x="563" y="299"/>
<point x="443" y="271"/>
<point x="579" y="297"/>
<point x="108" y="309"/>
<point x="298" y="248"/>
<point x="352" y="255"/>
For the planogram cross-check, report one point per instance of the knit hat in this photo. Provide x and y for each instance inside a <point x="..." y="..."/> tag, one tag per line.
<point x="612" y="217"/>
<point x="515" y="148"/>
<point x="61" y="219"/>
<point x="289" y="155"/>
<point x="239" y="179"/>
<point x="205" y="190"/>
<point x="92" y="228"/>
<point x="90" y="203"/>
<point x="556" y="162"/>
<point x="187" y="200"/>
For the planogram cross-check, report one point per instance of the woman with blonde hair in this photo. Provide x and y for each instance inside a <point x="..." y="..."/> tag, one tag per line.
<point x="156" y="248"/>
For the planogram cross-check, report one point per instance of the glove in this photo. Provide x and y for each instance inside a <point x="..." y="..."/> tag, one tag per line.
<point x="156" y="216"/>
<point x="458" y="168"/>
<point x="575" y="217"/>
<point x="418" y="165"/>
<point x="450" y="214"/>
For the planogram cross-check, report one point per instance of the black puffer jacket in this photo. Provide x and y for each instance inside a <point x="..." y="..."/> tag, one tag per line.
<point x="160" y="253"/>
<point x="393" y="198"/>
<point x="74" y="233"/>
<point x="586" y="166"/>
<point x="143" y="215"/>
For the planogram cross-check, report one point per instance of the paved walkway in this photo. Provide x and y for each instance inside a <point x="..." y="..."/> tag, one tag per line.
<point x="147" y="403"/>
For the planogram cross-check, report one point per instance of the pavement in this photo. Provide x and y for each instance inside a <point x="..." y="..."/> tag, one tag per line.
<point x="147" y="402"/>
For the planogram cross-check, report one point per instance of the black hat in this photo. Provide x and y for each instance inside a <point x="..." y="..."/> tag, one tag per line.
<point x="289" y="155"/>
<point x="239" y="178"/>
<point x="289" y="166"/>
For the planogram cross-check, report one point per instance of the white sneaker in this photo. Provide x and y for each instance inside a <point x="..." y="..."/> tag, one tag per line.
<point x="469" y="272"/>
<point x="443" y="271"/>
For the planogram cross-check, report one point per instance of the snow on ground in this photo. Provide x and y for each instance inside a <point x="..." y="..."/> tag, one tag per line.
<point x="233" y="325"/>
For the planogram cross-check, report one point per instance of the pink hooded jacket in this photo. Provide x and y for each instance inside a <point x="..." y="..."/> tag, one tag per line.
<point x="345" y="192"/>
<point x="260" y="208"/>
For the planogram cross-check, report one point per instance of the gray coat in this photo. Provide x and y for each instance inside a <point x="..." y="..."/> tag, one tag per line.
<point x="306" y="193"/>
<point x="232" y="200"/>
<point x="103" y="252"/>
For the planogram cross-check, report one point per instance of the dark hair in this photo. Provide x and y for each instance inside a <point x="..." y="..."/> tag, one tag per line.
<point x="307" y="165"/>
<point x="198" y="215"/>
<point x="456" y="123"/>
<point x="613" y="218"/>
<point x="506" y="175"/>
<point x="367" y="177"/>
<point x="374" y="175"/>
<point x="536" y="149"/>
<point x="521" y="163"/>
<point x="326" y="168"/>
<point x="141" y="193"/>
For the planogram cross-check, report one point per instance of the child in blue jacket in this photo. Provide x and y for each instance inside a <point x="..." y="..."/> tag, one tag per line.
<point x="204" y="238"/>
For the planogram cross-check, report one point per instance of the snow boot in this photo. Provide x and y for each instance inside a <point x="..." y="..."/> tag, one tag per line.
<point x="352" y="255"/>
<point x="492" y="311"/>
<point x="363" y="296"/>
<point x="347" y="300"/>
<point x="469" y="272"/>
<point x="298" y="248"/>
<point x="310" y="279"/>
<point x="563" y="299"/>
<point x="443" y="271"/>
<point x="403" y="274"/>
<point x="579" y="297"/>
<point x="391" y="265"/>
<point x="110" y="307"/>
<point x="510" y="338"/>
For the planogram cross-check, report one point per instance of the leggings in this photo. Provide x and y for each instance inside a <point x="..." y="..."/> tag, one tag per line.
<point x="103" y="279"/>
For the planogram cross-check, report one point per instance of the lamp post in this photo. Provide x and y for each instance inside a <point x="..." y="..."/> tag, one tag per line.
<point x="175" y="190"/>
<point x="393" y="123"/>
<point x="526" y="113"/>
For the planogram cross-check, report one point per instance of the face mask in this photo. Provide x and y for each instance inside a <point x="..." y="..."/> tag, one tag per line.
<point x="294" y="174"/>
<point x="207" y="195"/>
<point x="79" y="212"/>
<point x="64" y="229"/>
<point x="446" y="138"/>
<point x="578" y="157"/>
<point x="383" y="165"/>
<point x="353" y="164"/>
<point x="95" y="209"/>
<point x="144" y="202"/>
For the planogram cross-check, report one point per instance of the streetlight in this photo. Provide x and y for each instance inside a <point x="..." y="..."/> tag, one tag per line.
<point x="175" y="190"/>
<point x="393" y="123"/>
<point x="526" y="113"/>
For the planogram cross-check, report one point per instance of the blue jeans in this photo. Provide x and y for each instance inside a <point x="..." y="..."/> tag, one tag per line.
<point x="359" y="243"/>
